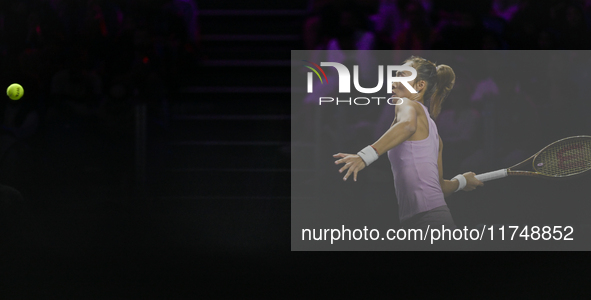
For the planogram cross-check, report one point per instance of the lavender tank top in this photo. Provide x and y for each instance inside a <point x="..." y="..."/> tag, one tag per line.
<point x="416" y="175"/>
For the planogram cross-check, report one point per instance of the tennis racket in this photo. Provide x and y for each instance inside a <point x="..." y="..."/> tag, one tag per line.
<point x="565" y="158"/>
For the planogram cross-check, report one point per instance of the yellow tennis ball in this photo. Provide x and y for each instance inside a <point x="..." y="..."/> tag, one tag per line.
<point x="15" y="91"/>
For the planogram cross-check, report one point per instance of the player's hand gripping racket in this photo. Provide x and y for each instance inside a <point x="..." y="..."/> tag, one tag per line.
<point x="565" y="158"/>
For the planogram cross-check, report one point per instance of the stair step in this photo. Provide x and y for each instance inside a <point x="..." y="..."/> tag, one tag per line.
<point x="243" y="170"/>
<point x="197" y="206"/>
<point x="234" y="130"/>
<point x="251" y="155"/>
<point x="244" y="204"/>
<point x="266" y="24"/>
<point x="251" y="37"/>
<point x="251" y="43"/>
<point x="222" y="184"/>
<point x="248" y="52"/>
<point x="253" y="12"/>
<point x="246" y="63"/>
<point x="216" y="198"/>
<point x="251" y="5"/>
<point x="231" y="117"/>
<point x="235" y="89"/>
<point x="224" y="104"/>
<point x="228" y="143"/>
<point x="220" y="95"/>
<point x="251" y="74"/>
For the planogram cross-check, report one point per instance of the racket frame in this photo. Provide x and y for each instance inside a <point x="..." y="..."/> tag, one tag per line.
<point x="534" y="173"/>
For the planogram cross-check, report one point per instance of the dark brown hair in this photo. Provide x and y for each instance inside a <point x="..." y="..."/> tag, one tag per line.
<point x="440" y="80"/>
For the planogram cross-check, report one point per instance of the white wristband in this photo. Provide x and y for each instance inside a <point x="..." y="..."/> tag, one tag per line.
<point x="368" y="154"/>
<point x="462" y="180"/>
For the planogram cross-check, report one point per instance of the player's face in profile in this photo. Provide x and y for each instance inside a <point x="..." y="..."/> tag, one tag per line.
<point x="398" y="89"/>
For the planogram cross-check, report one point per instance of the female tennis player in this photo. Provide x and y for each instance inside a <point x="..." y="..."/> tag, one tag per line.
<point x="414" y="149"/>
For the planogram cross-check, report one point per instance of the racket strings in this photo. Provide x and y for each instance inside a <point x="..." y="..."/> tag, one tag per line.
<point x="568" y="157"/>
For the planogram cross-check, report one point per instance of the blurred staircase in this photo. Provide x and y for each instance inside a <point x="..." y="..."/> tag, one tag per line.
<point x="227" y="142"/>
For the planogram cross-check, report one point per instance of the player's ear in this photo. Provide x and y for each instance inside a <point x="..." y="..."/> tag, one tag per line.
<point x="422" y="84"/>
<point x="419" y="85"/>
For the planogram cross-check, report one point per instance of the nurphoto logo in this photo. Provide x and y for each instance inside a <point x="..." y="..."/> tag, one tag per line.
<point x="345" y="77"/>
<point x="345" y="82"/>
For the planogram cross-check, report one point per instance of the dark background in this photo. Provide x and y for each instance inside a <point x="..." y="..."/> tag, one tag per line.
<point x="200" y="207"/>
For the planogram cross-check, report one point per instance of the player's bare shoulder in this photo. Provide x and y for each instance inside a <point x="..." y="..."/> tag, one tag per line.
<point x="405" y="107"/>
<point x="406" y="104"/>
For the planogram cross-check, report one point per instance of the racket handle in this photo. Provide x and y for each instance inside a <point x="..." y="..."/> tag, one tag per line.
<point x="492" y="175"/>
